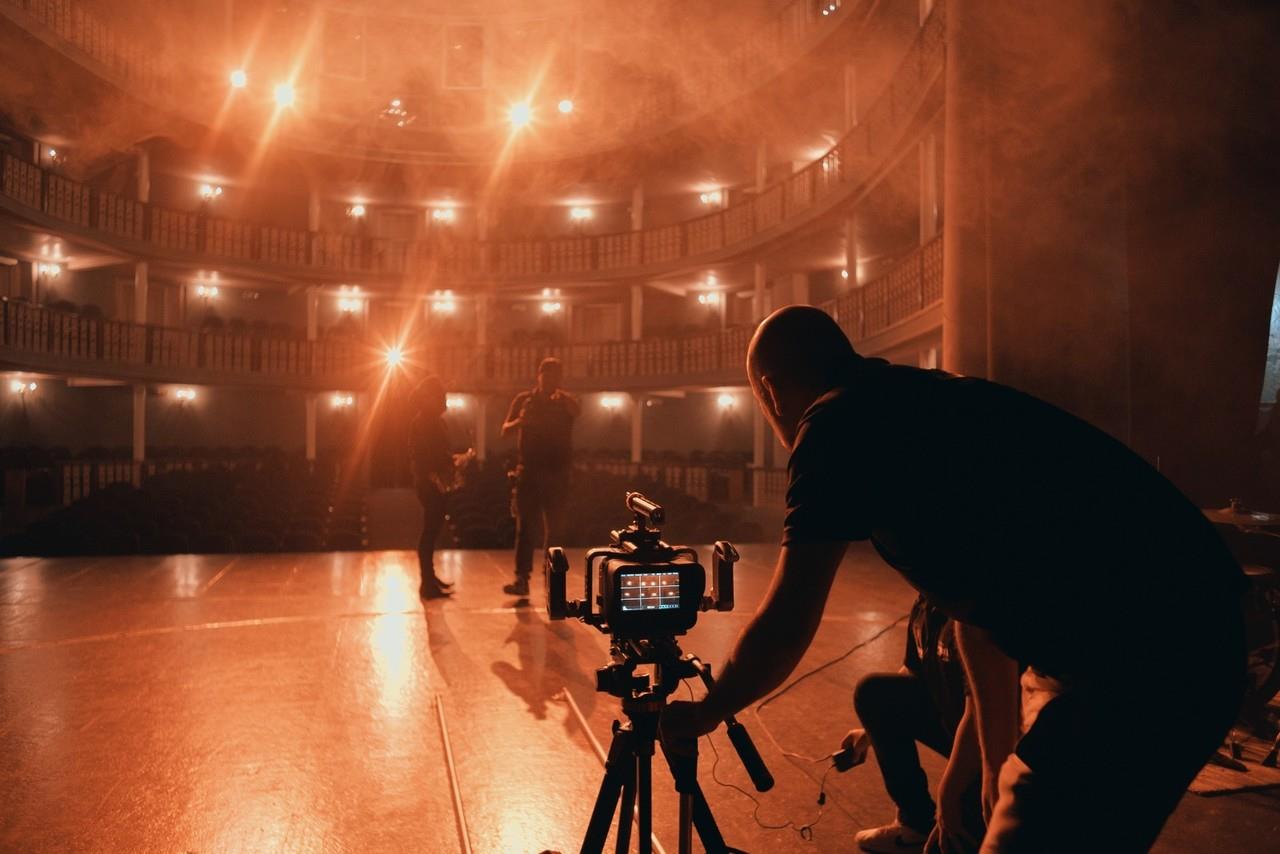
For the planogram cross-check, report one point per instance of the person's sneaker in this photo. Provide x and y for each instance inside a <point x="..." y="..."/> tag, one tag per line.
<point x="891" y="839"/>
<point x="519" y="587"/>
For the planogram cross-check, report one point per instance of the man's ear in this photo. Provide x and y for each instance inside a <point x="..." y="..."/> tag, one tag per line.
<point x="770" y="394"/>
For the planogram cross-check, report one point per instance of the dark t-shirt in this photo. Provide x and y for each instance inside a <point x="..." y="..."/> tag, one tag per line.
<point x="1011" y="515"/>
<point x="546" y="436"/>
<point x="429" y="452"/>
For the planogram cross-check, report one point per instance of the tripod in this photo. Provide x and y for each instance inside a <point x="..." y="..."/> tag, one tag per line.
<point x="628" y="775"/>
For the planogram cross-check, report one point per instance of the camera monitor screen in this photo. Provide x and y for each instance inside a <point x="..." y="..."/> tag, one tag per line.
<point x="650" y="591"/>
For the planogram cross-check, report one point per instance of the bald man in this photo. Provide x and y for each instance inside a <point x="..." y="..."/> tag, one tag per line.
<point x="1050" y="543"/>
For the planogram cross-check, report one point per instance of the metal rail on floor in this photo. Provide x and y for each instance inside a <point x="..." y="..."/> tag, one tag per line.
<point x="458" y="812"/>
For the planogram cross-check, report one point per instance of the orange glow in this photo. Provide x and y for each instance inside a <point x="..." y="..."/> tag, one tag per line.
<point x="394" y="357"/>
<point x="565" y="106"/>
<point x="239" y="79"/>
<point x="285" y="95"/>
<point x="726" y="401"/>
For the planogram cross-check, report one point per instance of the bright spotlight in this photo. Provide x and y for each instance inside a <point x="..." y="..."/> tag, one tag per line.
<point x="185" y="394"/>
<point x="565" y="106"/>
<point x="445" y="215"/>
<point x="520" y="114"/>
<point x="551" y="307"/>
<point x="455" y="401"/>
<point x="844" y="274"/>
<point x="710" y="298"/>
<point x="580" y="214"/>
<point x="19" y="387"/>
<point x="711" y="197"/>
<point x="356" y="211"/>
<point x="343" y="401"/>
<point x="239" y="79"/>
<point x="349" y="305"/>
<point x="49" y="271"/>
<point x="284" y="94"/>
<point x="207" y="291"/>
<point x="726" y="401"/>
<point x="394" y="356"/>
<point x="209" y="192"/>
<point x="611" y="402"/>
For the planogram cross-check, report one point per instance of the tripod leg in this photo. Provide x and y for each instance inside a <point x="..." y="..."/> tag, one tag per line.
<point x="625" y="815"/>
<point x="686" y="824"/>
<point x="693" y="804"/>
<point x="644" y="782"/>
<point x="619" y="772"/>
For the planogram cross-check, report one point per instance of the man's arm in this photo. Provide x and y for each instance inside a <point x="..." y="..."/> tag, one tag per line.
<point x="773" y="643"/>
<point x="993" y="688"/>
<point x="512" y="421"/>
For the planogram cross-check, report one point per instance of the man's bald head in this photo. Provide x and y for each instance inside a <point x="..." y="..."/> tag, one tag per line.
<point x="802" y="347"/>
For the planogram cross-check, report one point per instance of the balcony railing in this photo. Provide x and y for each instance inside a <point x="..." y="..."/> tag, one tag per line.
<point x="789" y="203"/>
<point x="42" y="339"/>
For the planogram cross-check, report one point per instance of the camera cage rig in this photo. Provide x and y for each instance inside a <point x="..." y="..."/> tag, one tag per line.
<point x="634" y="550"/>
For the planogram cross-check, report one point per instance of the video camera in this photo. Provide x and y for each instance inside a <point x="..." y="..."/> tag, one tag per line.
<point x="647" y="588"/>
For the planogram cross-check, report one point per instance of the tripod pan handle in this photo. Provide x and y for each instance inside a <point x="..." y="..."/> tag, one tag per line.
<point x="756" y="770"/>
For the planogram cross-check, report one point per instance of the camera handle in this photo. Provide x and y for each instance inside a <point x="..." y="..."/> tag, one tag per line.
<point x="738" y="735"/>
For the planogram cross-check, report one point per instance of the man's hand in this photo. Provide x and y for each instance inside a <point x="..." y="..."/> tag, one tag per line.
<point x="684" y="719"/>
<point x="949" y="832"/>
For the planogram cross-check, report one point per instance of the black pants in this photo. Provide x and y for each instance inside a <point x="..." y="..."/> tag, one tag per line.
<point x="897" y="712"/>
<point x="1115" y="754"/>
<point x="433" y="512"/>
<point x="537" y="503"/>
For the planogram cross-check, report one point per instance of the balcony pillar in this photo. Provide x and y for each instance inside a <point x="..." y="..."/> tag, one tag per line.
<point x="637" y="207"/>
<point x="143" y="168"/>
<point x="313" y="313"/>
<point x="484" y="305"/>
<point x="800" y="289"/>
<point x="637" y="428"/>
<point x="851" y="248"/>
<point x="637" y="311"/>
<point x="759" y="292"/>
<point x="313" y="210"/>
<point x="850" y="96"/>
<point x="141" y="282"/>
<point x="139" y="431"/>
<point x="928" y="188"/>
<point x="311" y="427"/>
<point x="758" y="438"/>
<point x="762" y="166"/>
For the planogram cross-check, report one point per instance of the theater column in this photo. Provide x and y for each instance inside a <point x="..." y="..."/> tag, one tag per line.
<point x="928" y="188"/>
<point x="637" y="428"/>
<point x="140" y="288"/>
<point x="1035" y="289"/>
<point x="481" y="439"/>
<point x="851" y="248"/>
<point x="313" y="316"/>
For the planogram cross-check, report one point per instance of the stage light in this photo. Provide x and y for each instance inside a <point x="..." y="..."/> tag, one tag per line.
<point x="710" y="198"/>
<point x="22" y="386"/>
<point x="445" y="215"/>
<point x="726" y="401"/>
<point x="207" y="291"/>
<point x="284" y="94"/>
<point x="349" y="305"/>
<point x="394" y="356"/>
<point x="356" y="211"/>
<point x="209" y="192"/>
<point x="53" y="154"/>
<point x="442" y="302"/>
<point x="611" y="402"/>
<point x="844" y="274"/>
<point x="580" y="214"/>
<point x="565" y="106"/>
<point x="710" y="298"/>
<point x="455" y="401"/>
<point x="239" y="79"/>
<point x="830" y="8"/>
<point x="344" y="401"/>
<point x="520" y="114"/>
<point x="551" y="307"/>
<point x="185" y="394"/>
<point x="49" y="271"/>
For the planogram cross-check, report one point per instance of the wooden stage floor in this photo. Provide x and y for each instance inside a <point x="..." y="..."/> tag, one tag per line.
<point x="301" y="703"/>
